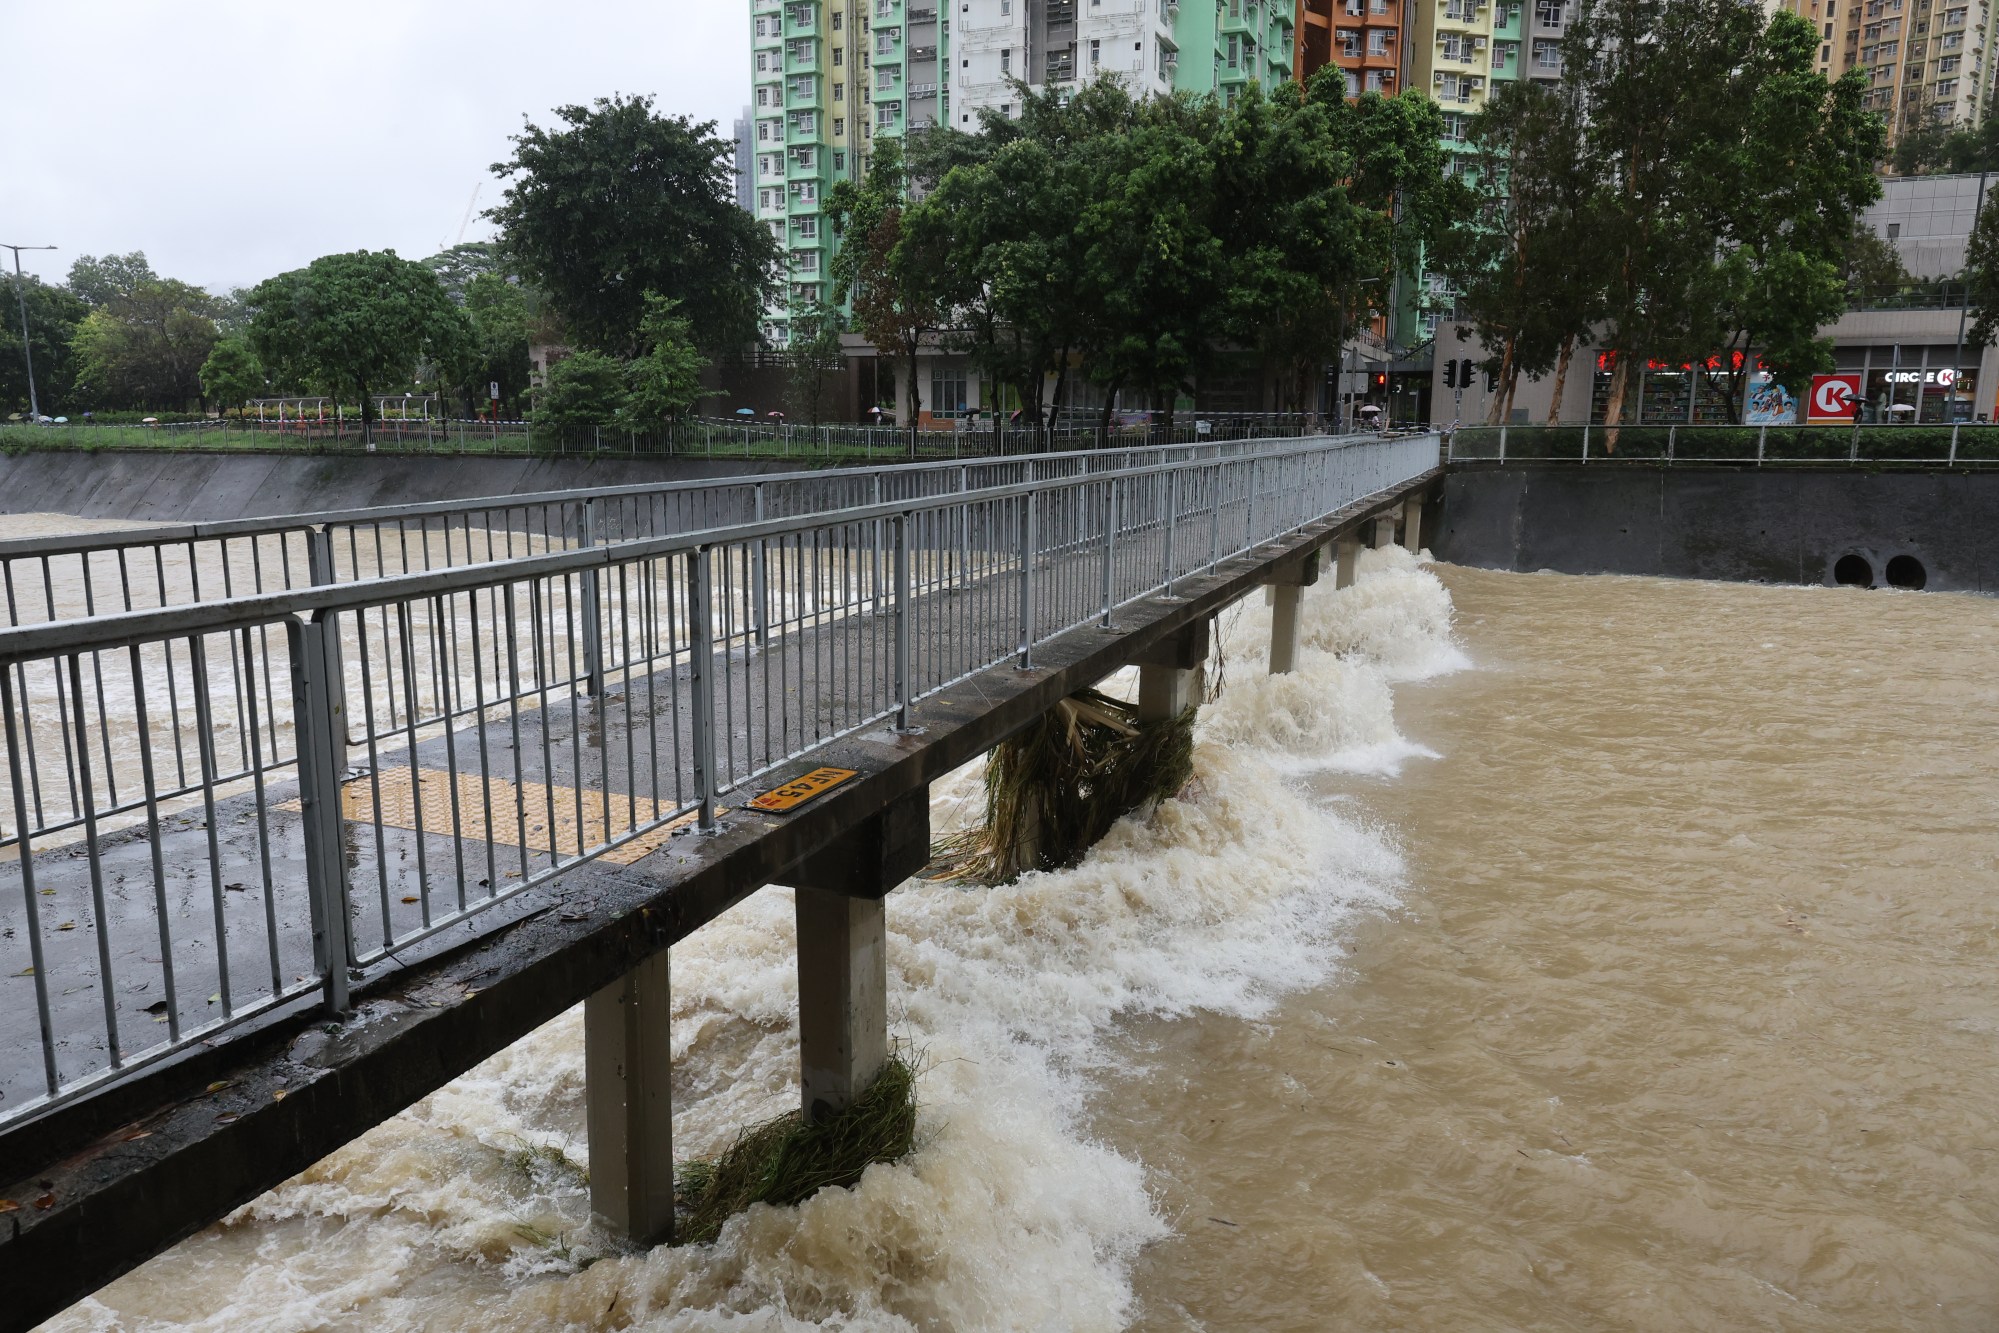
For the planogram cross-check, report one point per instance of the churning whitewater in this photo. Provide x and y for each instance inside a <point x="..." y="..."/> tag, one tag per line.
<point x="470" y="1210"/>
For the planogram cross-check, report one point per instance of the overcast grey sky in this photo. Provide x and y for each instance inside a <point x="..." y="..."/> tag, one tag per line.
<point x="234" y="139"/>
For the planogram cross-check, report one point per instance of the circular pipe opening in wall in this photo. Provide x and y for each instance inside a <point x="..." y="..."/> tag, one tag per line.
<point x="1905" y="571"/>
<point x="1853" y="571"/>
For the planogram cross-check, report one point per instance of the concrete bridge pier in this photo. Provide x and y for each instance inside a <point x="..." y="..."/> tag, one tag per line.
<point x="1171" y="672"/>
<point x="1287" y="594"/>
<point x="627" y="1063"/>
<point x="843" y="951"/>
<point x="1349" y="553"/>
<point x="1384" y="529"/>
<point x="1412" y="523"/>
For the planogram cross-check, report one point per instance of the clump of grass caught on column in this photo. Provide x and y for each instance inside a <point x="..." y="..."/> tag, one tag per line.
<point x="1055" y="788"/>
<point x="785" y="1161"/>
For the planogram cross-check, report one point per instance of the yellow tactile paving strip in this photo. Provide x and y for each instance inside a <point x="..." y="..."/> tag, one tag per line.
<point x="430" y="794"/>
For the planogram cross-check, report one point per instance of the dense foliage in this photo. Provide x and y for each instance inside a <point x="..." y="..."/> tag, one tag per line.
<point x="1686" y="192"/>
<point x="1132" y="241"/>
<point x="358" y="323"/>
<point x="617" y="202"/>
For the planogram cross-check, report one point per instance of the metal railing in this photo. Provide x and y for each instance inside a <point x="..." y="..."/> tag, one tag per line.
<point x="1915" y="445"/>
<point x="77" y="575"/>
<point x="694" y="437"/>
<point x="219" y="808"/>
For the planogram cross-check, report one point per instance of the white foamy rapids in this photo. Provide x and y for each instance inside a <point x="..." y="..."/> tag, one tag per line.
<point x="1008" y="1215"/>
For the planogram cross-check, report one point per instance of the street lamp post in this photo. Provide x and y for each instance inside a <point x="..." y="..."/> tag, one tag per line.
<point x="21" y="297"/>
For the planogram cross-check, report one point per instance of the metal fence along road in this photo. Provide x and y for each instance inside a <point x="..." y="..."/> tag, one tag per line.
<point x="696" y="437"/>
<point x="217" y="806"/>
<point x="1965" y="444"/>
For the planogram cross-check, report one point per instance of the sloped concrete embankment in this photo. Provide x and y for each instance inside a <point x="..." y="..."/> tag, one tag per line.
<point x="162" y="486"/>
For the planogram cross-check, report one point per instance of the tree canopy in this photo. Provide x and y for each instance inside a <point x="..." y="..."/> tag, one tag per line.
<point x="617" y="201"/>
<point x="1133" y="242"/>
<point x="360" y="322"/>
<point x="1686" y="193"/>
<point x="144" y="346"/>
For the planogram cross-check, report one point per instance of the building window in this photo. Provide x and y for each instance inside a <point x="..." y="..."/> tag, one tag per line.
<point x="1547" y="55"/>
<point x="1377" y="42"/>
<point x="947" y="390"/>
<point x="1548" y="13"/>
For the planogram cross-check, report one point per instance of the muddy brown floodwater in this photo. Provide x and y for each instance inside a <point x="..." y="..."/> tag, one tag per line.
<point x="1687" y="1016"/>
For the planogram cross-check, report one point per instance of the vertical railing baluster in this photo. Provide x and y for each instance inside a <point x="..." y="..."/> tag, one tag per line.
<point x="701" y="679"/>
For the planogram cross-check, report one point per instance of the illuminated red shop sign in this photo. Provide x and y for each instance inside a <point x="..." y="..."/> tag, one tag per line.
<point x="1715" y="364"/>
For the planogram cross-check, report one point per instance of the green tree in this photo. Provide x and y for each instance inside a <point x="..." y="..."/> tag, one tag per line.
<point x="145" y="347"/>
<point x="618" y="202"/>
<point x="895" y="287"/>
<point x="1874" y="267"/>
<point x="1981" y="276"/>
<point x="54" y="314"/>
<point x="357" y="323"/>
<point x="233" y="375"/>
<point x="1782" y="201"/>
<point x="465" y="263"/>
<point x="1528" y="275"/>
<point x="506" y="317"/>
<point x="100" y="280"/>
<point x="666" y="380"/>
<point x="585" y="389"/>
<point x="810" y="355"/>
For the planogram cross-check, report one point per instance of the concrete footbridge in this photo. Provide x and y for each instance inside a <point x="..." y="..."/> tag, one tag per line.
<point x="304" y="817"/>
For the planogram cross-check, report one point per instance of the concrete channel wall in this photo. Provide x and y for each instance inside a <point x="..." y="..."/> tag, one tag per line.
<point x="163" y="486"/>
<point x="1938" y="530"/>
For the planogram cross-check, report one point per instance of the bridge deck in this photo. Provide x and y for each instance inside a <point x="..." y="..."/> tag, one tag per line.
<point x="109" y="1180"/>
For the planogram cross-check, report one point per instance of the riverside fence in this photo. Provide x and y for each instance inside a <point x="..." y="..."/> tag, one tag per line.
<point x="700" y="437"/>
<point x="217" y="806"/>
<point x="1967" y="445"/>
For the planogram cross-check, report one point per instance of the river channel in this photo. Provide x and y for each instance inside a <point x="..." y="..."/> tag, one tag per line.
<point x="1546" y="953"/>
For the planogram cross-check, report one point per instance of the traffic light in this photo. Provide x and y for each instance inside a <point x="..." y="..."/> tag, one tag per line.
<point x="1464" y="373"/>
<point x="1380" y="380"/>
<point x="1450" y="374"/>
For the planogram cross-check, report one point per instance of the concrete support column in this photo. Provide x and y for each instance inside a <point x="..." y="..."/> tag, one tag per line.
<point x="1170" y="673"/>
<point x="842" y="999"/>
<point x="1287" y="595"/>
<point x="843" y="951"/>
<point x="1412" y="524"/>
<point x="1384" y="530"/>
<point x="627" y="1061"/>
<point x="1343" y="576"/>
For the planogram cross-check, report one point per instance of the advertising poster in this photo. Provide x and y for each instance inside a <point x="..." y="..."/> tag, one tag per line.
<point x="1770" y="403"/>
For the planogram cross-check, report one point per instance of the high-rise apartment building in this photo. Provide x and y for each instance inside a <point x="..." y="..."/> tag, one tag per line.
<point x="1926" y="61"/>
<point x="830" y="77"/>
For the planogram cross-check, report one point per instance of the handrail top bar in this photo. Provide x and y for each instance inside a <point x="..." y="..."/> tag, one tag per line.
<point x="28" y="642"/>
<point x="169" y="534"/>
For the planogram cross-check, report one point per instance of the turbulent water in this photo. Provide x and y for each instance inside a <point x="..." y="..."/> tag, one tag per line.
<point x="1544" y="953"/>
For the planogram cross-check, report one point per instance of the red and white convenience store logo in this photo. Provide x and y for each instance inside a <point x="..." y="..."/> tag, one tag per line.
<point x="1833" y="397"/>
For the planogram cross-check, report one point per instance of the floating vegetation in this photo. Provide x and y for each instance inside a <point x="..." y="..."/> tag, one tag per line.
<point x="785" y="1161"/>
<point x="1055" y="788"/>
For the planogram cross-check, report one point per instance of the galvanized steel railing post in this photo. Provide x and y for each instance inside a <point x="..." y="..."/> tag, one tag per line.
<point x="1586" y="442"/>
<point x="593" y="647"/>
<point x="1672" y="432"/>
<point x="1762" y="434"/>
<point x="319" y="569"/>
<point x="1172" y="521"/>
<point x="29" y="893"/>
<point x="1502" y="442"/>
<point x="1027" y="542"/>
<point x="760" y="578"/>
<point x="1110" y="547"/>
<point x="1952" y="461"/>
<point x="701" y="680"/>
<point x="905" y="681"/>
<point x="875" y="497"/>
<point x="314" y="654"/>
